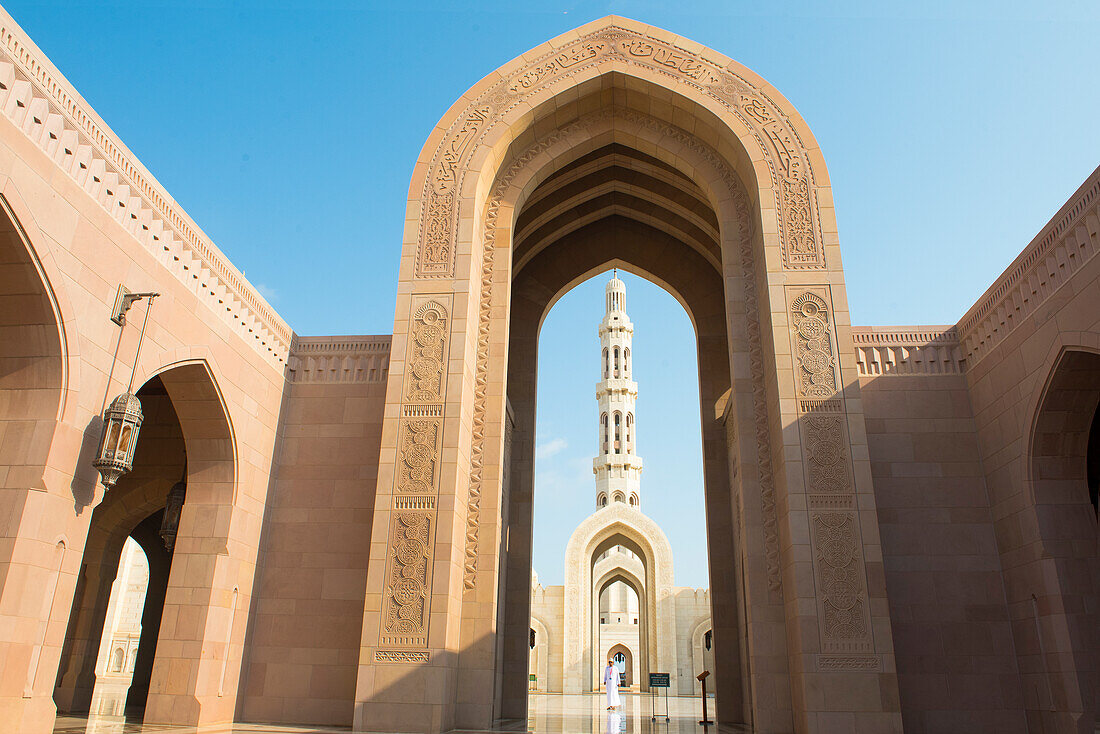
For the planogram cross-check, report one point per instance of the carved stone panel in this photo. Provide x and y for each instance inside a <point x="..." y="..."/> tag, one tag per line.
<point x="811" y="325"/>
<point x="426" y="355"/>
<point x="407" y="590"/>
<point x="826" y="454"/>
<point x="418" y="455"/>
<point x="838" y="557"/>
<point x="839" y="572"/>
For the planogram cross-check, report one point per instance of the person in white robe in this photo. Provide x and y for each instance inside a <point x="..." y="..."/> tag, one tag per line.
<point x="611" y="683"/>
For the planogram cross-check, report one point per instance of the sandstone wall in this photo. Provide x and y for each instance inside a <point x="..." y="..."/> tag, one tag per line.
<point x="307" y="617"/>
<point x="952" y="636"/>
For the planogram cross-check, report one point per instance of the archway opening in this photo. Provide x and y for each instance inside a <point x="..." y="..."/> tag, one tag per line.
<point x="616" y="206"/>
<point x="119" y="601"/>
<point x="182" y="479"/>
<point x="1063" y="479"/>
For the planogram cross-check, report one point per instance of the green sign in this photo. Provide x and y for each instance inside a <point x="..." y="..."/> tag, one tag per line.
<point x="659" y="680"/>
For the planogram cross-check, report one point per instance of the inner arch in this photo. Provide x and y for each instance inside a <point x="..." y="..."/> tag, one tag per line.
<point x="597" y="206"/>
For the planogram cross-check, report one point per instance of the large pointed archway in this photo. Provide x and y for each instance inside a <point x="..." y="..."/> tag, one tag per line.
<point x="620" y="143"/>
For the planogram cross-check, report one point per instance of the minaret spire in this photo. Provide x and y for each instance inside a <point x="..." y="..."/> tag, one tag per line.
<point x="617" y="467"/>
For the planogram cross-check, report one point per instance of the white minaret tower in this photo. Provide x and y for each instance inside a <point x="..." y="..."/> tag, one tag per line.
<point x="617" y="468"/>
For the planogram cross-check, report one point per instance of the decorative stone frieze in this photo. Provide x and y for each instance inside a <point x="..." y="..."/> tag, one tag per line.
<point x="327" y="359"/>
<point x="900" y="351"/>
<point x="401" y="656"/>
<point x="1068" y="241"/>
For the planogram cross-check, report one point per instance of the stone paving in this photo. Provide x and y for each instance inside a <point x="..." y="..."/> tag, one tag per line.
<point x="547" y="714"/>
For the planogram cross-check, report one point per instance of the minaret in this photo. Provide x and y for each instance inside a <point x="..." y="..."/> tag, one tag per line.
<point x="617" y="468"/>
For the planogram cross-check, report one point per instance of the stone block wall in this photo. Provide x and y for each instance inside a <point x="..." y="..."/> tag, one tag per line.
<point x="548" y="607"/>
<point x="952" y="635"/>
<point x="692" y="621"/>
<point x="303" y="654"/>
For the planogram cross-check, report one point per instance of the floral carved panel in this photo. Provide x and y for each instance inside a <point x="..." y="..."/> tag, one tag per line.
<point x="418" y="455"/>
<point x="405" y="603"/>
<point x="812" y="328"/>
<point x="427" y="353"/>
<point x="407" y="592"/>
<point x="838" y="561"/>
<point x="838" y="556"/>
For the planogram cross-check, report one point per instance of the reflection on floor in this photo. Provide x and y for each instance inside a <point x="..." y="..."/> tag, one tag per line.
<point x="547" y="714"/>
<point x="587" y="714"/>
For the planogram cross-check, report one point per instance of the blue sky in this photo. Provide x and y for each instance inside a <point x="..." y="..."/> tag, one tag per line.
<point x="952" y="132"/>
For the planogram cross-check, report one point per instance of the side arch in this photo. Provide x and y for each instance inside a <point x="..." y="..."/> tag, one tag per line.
<point x="1059" y="651"/>
<point x="189" y="375"/>
<point x="543" y="646"/>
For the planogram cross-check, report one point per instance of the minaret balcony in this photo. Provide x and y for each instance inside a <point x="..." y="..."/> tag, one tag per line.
<point x="621" y="326"/>
<point x="616" y="385"/>
<point x="617" y="461"/>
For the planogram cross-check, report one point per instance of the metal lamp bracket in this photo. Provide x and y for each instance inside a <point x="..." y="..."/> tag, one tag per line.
<point x="124" y="299"/>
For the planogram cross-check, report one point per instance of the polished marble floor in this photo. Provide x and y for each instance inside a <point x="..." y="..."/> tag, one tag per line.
<point x="547" y="714"/>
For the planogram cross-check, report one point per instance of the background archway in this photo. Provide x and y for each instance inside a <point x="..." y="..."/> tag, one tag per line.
<point x="628" y="678"/>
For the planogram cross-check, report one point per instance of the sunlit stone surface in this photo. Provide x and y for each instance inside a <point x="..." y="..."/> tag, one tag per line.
<point x="900" y="521"/>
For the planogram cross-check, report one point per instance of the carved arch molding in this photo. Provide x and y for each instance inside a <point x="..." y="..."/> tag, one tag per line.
<point x="787" y="158"/>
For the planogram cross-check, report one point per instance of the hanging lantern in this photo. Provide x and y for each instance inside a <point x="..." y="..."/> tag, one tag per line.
<point x="121" y="423"/>
<point x="170" y="525"/>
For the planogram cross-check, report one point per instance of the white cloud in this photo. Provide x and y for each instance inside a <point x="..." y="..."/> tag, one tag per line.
<point x="546" y="450"/>
<point x="269" y="293"/>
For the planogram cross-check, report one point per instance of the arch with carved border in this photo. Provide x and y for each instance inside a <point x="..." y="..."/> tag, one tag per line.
<point x="617" y="524"/>
<point x="773" y="145"/>
<point x="454" y="215"/>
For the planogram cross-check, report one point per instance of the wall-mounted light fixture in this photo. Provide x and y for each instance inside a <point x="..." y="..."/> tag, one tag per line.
<point x="122" y="419"/>
<point x="170" y="525"/>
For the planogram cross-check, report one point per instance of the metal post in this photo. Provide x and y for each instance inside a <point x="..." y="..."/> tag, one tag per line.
<point x="702" y="678"/>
